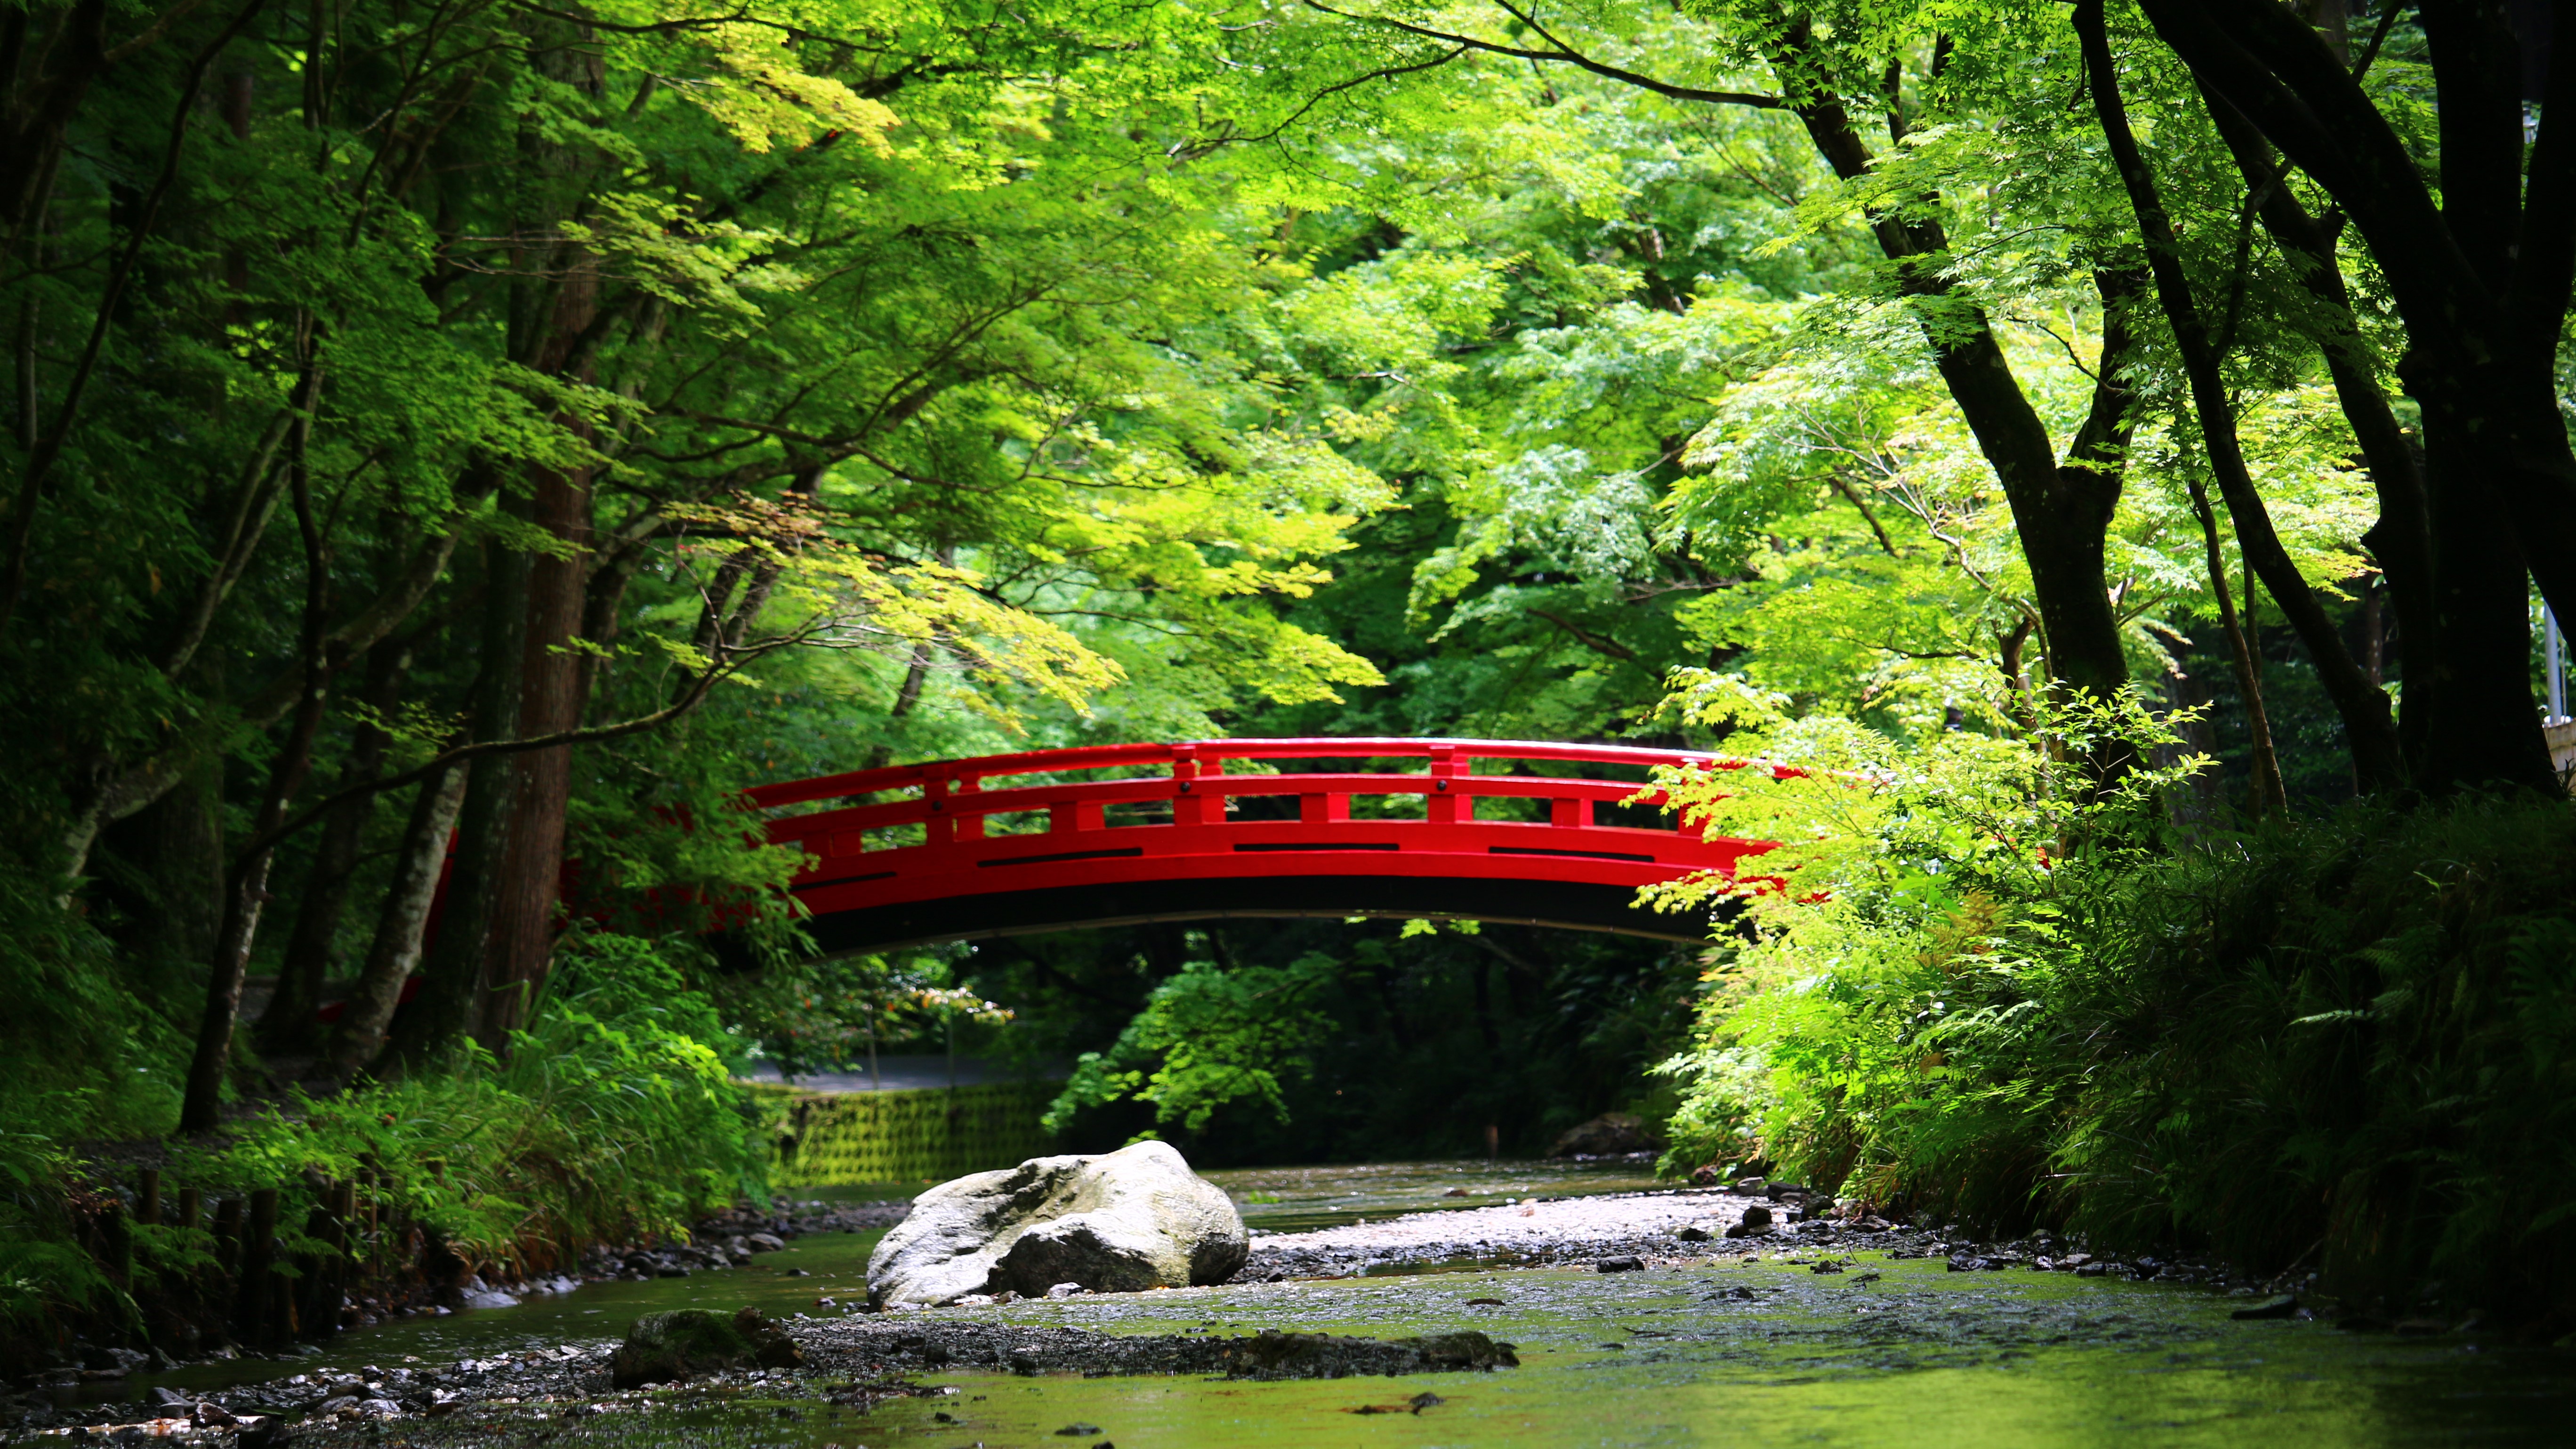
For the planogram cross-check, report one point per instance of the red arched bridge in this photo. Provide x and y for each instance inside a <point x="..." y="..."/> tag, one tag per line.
<point x="1002" y="845"/>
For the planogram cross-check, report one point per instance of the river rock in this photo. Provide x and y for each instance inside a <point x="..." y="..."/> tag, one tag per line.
<point x="1117" y="1222"/>
<point x="1608" y="1135"/>
<point x="667" y="1348"/>
<point x="2284" y="1306"/>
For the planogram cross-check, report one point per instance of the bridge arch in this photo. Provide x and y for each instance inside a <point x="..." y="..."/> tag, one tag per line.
<point x="966" y="853"/>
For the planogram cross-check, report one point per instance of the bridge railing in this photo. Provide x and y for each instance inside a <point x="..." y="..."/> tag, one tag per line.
<point x="953" y="802"/>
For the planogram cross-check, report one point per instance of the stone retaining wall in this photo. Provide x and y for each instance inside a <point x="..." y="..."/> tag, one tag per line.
<point x="930" y="1135"/>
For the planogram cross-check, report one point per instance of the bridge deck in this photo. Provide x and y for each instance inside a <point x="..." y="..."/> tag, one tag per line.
<point x="967" y="851"/>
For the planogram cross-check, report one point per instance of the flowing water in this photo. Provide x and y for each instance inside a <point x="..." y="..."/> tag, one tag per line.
<point x="1725" y="1351"/>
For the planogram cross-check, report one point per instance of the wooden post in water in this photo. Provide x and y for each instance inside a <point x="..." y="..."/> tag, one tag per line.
<point x="282" y="1324"/>
<point x="344" y="1213"/>
<point x="192" y="1209"/>
<point x="228" y="1222"/>
<point x="312" y="1270"/>
<point x="147" y="1197"/>
<point x="258" y="1249"/>
<point x="116" y="1242"/>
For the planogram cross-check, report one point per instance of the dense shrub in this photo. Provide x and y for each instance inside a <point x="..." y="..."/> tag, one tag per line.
<point x="2346" y="1045"/>
<point x="612" y="1118"/>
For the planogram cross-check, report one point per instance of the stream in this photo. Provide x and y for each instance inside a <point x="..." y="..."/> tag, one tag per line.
<point x="1720" y="1350"/>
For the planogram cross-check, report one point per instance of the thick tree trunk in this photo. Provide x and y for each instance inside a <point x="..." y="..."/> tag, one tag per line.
<point x="2481" y="271"/>
<point x="556" y="336"/>
<point x="551" y="679"/>
<point x="166" y="868"/>
<point x="2484" y="728"/>
<point x="395" y="949"/>
<point x="289" y="1027"/>
<point x="550" y="700"/>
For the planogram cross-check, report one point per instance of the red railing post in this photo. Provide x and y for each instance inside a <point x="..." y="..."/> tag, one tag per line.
<point x="1567" y="813"/>
<point x="940" y="827"/>
<point x="969" y="826"/>
<point x="1189" y="808"/>
<point x="1323" y="809"/>
<point x="1443" y="806"/>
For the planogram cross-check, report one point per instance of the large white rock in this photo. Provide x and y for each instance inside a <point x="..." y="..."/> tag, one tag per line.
<point x="1118" y="1222"/>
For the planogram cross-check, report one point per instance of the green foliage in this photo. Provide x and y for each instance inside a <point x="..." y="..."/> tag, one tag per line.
<point x="2336" y="1045"/>
<point x="945" y="383"/>
<point x="2345" y="1039"/>
<point x="42" y="1272"/>
<point x="1910" y="885"/>
<point x="1209" y="1037"/>
<point x="611" y="1119"/>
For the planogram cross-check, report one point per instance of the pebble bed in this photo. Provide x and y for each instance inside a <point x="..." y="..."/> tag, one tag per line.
<point x="858" y="1358"/>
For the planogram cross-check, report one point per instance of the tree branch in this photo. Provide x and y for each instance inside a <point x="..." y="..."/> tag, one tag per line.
<point x="13" y="575"/>
<point x="1566" y="56"/>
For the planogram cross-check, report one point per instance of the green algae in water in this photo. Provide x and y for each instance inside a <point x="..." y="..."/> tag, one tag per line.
<point x="1725" y="1353"/>
<point x="1917" y="1357"/>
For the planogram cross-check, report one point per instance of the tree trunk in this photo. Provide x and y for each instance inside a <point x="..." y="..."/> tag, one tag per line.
<point x="2370" y="728"/>
<point x="2481" y="276"/>
<point x="201" y="1108"/>
<point x="451" y="986"/>
<point x="176" y="848"/>
<point x="395" y="950"/>
<point x="551" y="676"/>
<point x="2484" y="728"/>
<point x="556" y="338"/>
<point x="2269" y="798"/>
<point x="2401" y="541"/>
<point x="2061" y="514"/>
<point x="289" y="1026"/>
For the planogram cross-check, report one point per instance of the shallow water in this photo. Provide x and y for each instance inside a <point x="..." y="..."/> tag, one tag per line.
<point x="1915" y="1356"/>
<point x="1300" y="1199"/>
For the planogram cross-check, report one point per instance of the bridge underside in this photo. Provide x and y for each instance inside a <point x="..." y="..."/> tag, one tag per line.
<point x="1560" y="904"/>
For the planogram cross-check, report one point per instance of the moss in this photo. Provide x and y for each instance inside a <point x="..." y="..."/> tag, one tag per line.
<point x="908" y="1136"/>
<point x="670" y="1347"/>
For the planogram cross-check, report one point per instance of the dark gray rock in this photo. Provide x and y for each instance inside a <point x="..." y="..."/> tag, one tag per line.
<point x="669" y="1347"/>
<point x="1608" y="1135"/>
